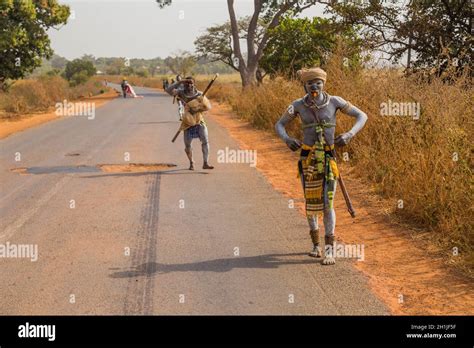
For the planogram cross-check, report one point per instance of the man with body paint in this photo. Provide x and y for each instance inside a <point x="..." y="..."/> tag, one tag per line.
<point x="316" y="167"/>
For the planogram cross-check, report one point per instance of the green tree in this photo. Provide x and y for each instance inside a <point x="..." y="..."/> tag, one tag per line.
<point x="142" y="72"/>
<point x="216" y="45"/>
<point x="88" y="58"/>
<point x="23" y="36"/>
<point x="181" y="62"/>
<point x="58" y="62"/>
<point x="114" y="66"/>
<point x="302" y="42"/>
<point x="79" y="71"/>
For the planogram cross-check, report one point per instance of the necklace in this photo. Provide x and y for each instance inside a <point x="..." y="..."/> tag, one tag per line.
<point x="323" y="105"/>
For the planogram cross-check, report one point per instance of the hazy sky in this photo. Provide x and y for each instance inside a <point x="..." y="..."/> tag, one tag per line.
<point x="139" y="28"/>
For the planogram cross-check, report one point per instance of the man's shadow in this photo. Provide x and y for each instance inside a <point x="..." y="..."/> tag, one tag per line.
<point x="217" y="265"/>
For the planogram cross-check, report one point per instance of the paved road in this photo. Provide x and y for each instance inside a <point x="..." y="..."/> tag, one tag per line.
<point x="182" y="258"/>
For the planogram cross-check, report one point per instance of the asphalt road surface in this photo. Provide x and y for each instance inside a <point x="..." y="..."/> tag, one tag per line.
<point x="162" y="242"/>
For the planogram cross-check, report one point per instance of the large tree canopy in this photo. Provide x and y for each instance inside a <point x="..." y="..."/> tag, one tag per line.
<point x="431" y="34"/>
<point x="23" y="37"/>
<point x="302" y="42"/>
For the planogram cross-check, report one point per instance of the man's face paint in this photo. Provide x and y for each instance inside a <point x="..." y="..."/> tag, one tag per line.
<point x="314" y="87"/>
<point x="189" y="86"/>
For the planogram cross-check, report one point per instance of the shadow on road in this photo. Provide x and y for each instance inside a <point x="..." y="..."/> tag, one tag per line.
<point x="153" y="95"/>
<point x="137" y="174"/>
<point x="175" y="122"/>
<point x="217" y="265"/>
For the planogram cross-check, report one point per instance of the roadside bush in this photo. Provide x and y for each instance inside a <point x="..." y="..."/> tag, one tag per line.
<point x="79" y="71"/>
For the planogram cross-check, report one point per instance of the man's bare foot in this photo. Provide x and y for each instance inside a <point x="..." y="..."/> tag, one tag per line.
<point x="329" y="260"/>
<point x="316" y="252"/>
<point x="315" y="239"/>
<point x="191" y="166"/>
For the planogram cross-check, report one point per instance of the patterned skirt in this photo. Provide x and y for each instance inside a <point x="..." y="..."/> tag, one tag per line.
<point x="319" y="172"/>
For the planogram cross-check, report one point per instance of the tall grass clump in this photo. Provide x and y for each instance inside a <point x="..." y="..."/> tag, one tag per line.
<point x="42" y="93"/>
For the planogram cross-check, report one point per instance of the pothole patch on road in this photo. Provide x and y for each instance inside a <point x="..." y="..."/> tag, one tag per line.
<point x="104" y="168"/>
<point x="20" y="170"/>
<point x="135" y="167"/>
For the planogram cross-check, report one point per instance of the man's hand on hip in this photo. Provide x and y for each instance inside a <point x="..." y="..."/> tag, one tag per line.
<point x="293" y="144"/>
<point x="343" y="139"/>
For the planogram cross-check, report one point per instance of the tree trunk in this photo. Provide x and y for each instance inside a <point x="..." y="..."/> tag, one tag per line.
<point x="248" y="78"/>
<point x="259" y="76"/>
<point x="249" y="74"/>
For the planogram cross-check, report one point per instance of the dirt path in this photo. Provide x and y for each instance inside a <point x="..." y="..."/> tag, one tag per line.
<point x="8" y="127"/>
<point x="410" y="279"/>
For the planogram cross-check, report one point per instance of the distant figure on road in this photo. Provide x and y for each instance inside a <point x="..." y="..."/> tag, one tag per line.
<point x="128" y="90"/>
<point x="193" y="123"/>
<point x="124" y="85"/>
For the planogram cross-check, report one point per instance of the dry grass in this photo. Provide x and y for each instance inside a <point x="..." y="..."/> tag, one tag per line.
<point x="407" y="160"/>
<point x="36" y="95"/>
